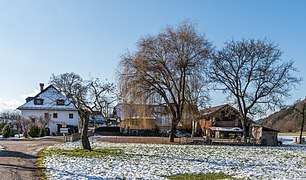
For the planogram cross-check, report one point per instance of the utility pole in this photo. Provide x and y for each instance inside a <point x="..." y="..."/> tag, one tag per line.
<point x="303" y="122"/>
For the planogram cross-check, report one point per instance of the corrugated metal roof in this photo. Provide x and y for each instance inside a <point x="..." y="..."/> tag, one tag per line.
<point x="226" y="129"/>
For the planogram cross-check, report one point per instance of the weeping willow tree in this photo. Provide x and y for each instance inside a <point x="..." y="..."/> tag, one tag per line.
<point x="164" y="68"/>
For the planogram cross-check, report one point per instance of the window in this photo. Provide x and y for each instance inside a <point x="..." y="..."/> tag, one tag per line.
<point x="70" y="116"/>
<point x="54" y="115"/>
<point x="60" y="102"/>
<point x="46" y="116"/>
<point x="38" y="101"/>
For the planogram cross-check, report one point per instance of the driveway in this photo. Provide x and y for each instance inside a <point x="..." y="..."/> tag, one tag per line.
<point x="17" y="161"/>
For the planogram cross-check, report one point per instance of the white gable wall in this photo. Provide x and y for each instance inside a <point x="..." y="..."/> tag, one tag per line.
<point x="62" y="117"/>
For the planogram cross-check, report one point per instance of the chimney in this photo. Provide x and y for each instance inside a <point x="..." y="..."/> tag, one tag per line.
<point x="41" y="87"/>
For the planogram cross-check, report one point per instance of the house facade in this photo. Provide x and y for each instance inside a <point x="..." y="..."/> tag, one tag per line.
<point x="53" y="107"/>
<point x="157" y="118"/>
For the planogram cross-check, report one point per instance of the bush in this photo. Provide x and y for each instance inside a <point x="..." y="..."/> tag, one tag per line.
<point x="34" y="131"/>
<point x="42" y="132"/>
<point x="13" y="132"/>
<point x="1" y="127"/>
<point x="6" y="131"/>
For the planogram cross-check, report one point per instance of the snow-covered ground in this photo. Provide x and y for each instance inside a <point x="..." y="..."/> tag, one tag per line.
<point x="288" y="139"/>
<point x="152" y="161"/>
<point x="16" y="136"/>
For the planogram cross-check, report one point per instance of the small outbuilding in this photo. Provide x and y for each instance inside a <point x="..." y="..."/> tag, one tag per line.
<point x="264" y="135"/>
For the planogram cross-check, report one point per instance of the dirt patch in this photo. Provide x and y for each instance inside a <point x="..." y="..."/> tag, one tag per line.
<point x="135" y="139"/>
<point x="17" y="161"/>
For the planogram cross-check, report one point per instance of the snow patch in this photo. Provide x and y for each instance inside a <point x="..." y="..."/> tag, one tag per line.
<point x="153" y="161"/>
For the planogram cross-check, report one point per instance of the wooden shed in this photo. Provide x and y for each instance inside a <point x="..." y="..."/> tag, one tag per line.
<point x="264" y="135"/>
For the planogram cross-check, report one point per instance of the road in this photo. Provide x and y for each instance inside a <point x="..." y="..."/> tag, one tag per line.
<point x="17" y="161"/>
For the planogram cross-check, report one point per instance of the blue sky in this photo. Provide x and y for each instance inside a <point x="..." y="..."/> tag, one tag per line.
<point x="40" y="37"/>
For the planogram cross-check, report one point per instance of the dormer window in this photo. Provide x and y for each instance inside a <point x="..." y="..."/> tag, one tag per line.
<point x="60" y="102"/>
<point x="38" y="101"/>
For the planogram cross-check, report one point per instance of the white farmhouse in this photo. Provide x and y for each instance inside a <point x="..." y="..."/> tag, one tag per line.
<point x="51" y="104"/>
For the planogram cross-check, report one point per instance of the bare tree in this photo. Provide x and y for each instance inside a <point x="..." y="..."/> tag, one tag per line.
<point x="25" y="125"/>
<point x="162" y="67"/>
<point x="252" y="73"/>
<point x="87" y="96"/>
<point x="44" y="121"/>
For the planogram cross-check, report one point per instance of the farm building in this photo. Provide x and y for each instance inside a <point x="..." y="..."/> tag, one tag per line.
<point x="264" y="135"/>
<point x="223" y="123"/>
<point x="220" y="122"/>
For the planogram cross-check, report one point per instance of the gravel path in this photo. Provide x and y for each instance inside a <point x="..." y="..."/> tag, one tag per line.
<point x="17" y="161"/>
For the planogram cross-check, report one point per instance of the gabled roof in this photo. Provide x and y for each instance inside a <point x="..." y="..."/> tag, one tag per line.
<point x="211" y="110"/>
<point x="49" y="96"/>
<point x="97" y="117"/>
<point x="265" y="128"/>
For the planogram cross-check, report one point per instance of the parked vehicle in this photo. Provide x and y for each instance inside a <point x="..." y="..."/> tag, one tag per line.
<point x="182" y="134"/>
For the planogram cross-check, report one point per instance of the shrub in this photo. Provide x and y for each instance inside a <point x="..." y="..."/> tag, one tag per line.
<point x="34" y="131"/>
<point x="1" y="127"/>
<point x="42" y="132"/>
<point x="13" y="132"/>
<point x="6" y="131"/>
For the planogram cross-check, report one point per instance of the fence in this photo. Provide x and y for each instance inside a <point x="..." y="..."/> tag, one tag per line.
<point x="76" y="137"/>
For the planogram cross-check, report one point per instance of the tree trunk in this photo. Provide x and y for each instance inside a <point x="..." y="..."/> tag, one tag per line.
<point x="84" y="136"/>
<point x="302" y="125"/>
<point x="192" y="128"/>
<point x="244" y="135"/>
<point x="172" y="133"/>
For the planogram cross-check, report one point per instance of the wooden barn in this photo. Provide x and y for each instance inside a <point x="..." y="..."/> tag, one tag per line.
<point x="220" y="122"/>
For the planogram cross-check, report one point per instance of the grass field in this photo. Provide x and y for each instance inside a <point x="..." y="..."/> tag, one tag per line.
<point x="161" y="161"/>
<point x="292" y="134"/>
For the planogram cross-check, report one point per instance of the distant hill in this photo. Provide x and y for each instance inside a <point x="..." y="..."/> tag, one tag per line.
<point x="286" y="120"/>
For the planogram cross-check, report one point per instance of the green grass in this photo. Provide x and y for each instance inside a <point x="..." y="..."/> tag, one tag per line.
<point x="292" y="134"/>
<point x="79" y="152"/>
<point x="200" y="176"/>
<point x="41" y="172"/>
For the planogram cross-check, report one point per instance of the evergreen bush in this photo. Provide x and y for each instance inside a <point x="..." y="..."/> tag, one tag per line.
<point x="6" y="131"/>
<point x="34" y="131"/>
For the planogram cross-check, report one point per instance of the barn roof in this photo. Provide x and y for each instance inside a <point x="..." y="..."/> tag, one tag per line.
<point x="226" y="129"/>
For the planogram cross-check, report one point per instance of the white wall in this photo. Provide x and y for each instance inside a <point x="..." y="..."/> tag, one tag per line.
<point x="62" y="116"/>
